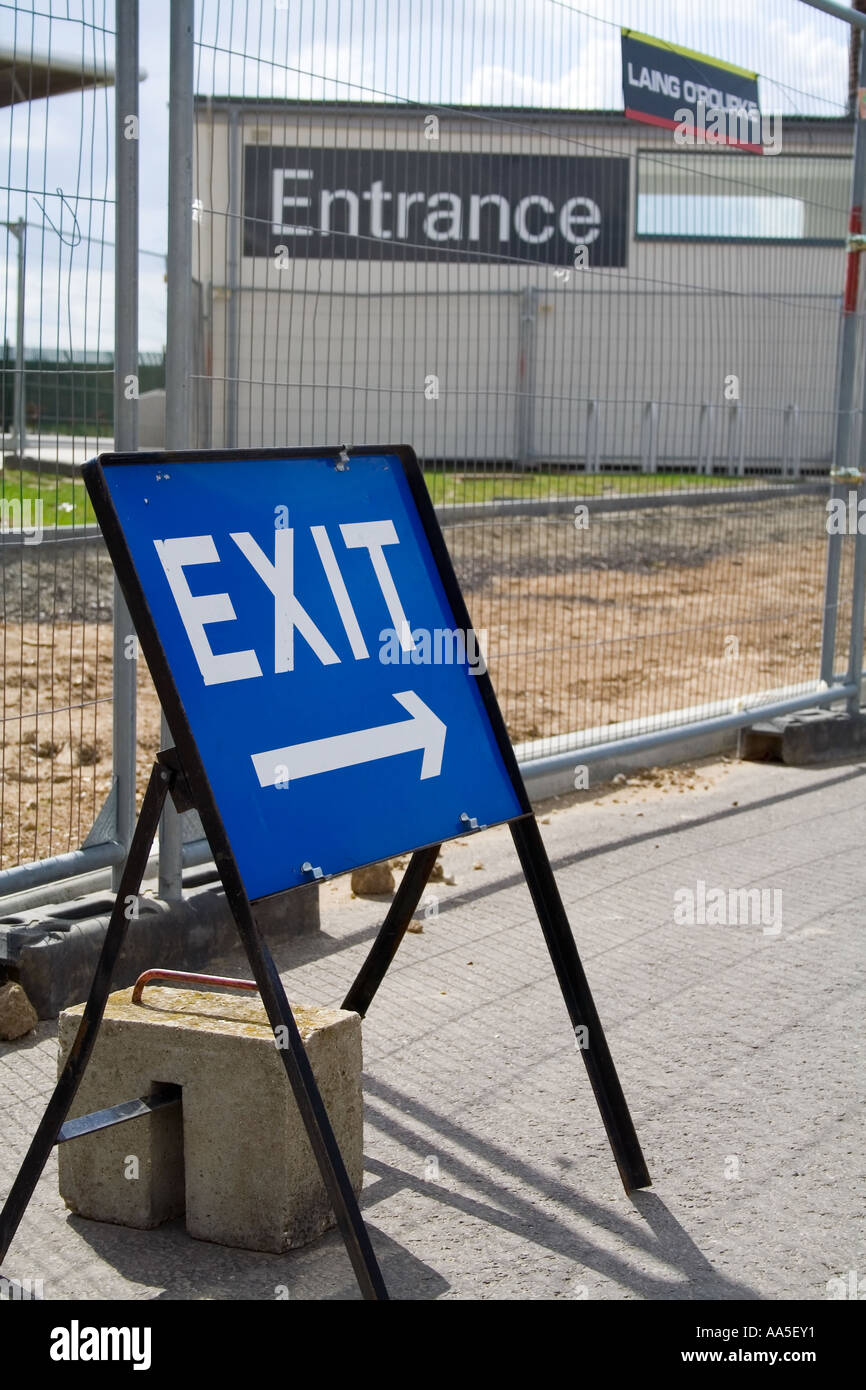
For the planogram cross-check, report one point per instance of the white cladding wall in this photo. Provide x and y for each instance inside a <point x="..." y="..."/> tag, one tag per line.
<point x="352" y="369"/>
<point x="460" y="361"/>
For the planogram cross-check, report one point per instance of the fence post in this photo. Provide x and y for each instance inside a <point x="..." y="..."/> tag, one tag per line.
<point x="526" y="376"/>
<point x="19" y="416"/>
<point x="831" y="590"/>
<point x="736" y="441"/>
<point x="791" y="451"/>
<point x="126" y="391"/>
<point x="705" y="438"/>
<point x="858" y="602"/>
<point x="233" y="246"/>
<point x="846" y="361"/>
<point x="592" y="464"/>
<point x="649" y="437"/>
<point x="858" y="581"/>
<point x="179" y="324"/>
<point x="19" y="409"/>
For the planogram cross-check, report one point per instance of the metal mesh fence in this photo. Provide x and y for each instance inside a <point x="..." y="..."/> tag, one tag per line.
<point x="609" y="617"/>
<point x="430" y="221"/>
<point x="56" y="593"/>
<point x="56" y="399"/>
<point x="614" y="352"/>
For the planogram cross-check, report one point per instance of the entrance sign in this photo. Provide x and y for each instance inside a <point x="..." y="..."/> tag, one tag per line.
<point x="418" y="205"/>
<point x="310" y="646"/>
<point x="277" y="589"/>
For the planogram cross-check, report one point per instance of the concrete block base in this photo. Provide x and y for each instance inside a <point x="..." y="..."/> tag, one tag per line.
<point x="812" y="736"/>
<point x="234" y="1155"/>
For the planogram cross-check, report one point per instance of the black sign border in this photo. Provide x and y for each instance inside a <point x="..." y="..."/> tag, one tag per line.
<point x="127" y="576"/>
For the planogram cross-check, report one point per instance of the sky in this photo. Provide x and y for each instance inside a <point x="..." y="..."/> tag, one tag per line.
<point x="542" y="53"/>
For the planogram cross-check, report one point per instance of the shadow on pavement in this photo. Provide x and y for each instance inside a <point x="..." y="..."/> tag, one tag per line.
<point x="655" y="1238"/>
<point x="182" y="1268"/>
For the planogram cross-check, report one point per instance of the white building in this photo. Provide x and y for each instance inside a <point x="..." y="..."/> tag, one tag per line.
<point x="517" y="285"/>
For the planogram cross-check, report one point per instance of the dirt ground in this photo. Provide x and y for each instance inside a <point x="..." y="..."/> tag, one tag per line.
<point x="633" y="615"/>
<point x="644" y="612"/>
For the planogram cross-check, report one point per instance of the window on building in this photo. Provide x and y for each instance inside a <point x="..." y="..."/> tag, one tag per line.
<point x="741" y="197"/>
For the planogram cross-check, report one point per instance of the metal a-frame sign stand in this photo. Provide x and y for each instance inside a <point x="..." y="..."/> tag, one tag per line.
<point x="136" y="494"/>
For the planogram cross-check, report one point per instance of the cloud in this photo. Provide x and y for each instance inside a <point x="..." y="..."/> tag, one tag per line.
<point x="593" y="83"/>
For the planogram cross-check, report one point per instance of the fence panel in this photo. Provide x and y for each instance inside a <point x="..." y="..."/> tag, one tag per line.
<point x="57" y="327"/>
<point x="600" y="617"/>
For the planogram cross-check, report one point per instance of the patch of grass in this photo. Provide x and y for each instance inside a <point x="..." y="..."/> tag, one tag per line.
<point x="489" y="487"/>
<point x="64" y="500"/>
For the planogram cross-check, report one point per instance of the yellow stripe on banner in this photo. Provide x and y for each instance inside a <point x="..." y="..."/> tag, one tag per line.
<point x="689" y="53"/>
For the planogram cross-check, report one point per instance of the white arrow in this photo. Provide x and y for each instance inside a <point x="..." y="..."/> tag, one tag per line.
<point x="422" y="731"/>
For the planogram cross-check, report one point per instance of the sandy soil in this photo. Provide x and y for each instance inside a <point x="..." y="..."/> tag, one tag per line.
<point x="645" y="612"/>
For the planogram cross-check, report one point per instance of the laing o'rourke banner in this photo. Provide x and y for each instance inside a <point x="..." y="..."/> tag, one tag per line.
<point x="678" y="89"/>
<point x="411" y="205"/>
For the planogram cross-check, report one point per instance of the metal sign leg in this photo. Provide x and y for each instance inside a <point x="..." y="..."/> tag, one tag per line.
<point x="309" y="1100"/>
<point x="392" y="931"/>
<point x="70" y="1078"/>
<point x="579" y="1002"/>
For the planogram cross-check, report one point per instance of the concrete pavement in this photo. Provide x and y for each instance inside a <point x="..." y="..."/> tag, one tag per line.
<point x="487" y="1170"/>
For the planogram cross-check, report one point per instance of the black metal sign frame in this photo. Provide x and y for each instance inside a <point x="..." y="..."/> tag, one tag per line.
<point x="180" y="773"/>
